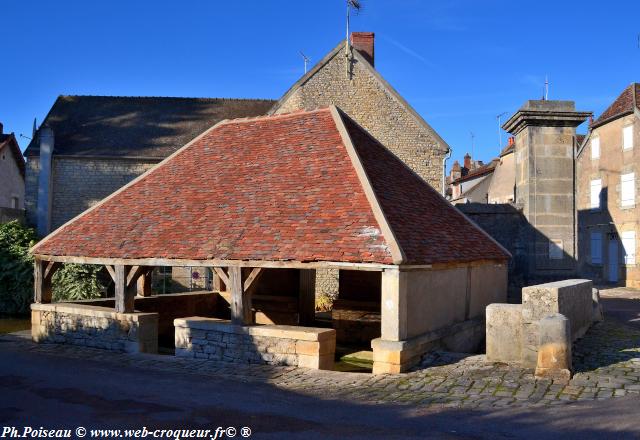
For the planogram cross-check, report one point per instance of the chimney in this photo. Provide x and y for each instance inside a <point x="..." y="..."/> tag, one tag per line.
<point x="467" y="161"/>
<point x="512" y="140"/>
<point x="363" y="43"/>
<point x="43" y="207"/>
<point x="1" y="128"/>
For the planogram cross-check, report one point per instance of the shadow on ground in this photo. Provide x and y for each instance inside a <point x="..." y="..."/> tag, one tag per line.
<point x="42" y="389"/>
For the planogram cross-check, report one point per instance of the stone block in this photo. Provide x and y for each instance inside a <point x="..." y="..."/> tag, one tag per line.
<point x="320" y="362"/>
<point x="504" y="332"/>
<point x="554" y="348"/>
<point x="598" y="315"/>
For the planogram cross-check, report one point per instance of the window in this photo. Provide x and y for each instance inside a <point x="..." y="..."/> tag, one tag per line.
<point x="595" y="148"/>
<point x="628" y="189"/>
<point x="555" y="250"/>
<point x="596" y="248"/>
<point x="596" y="187"/>
<point x="15" y="202"/>
<point x="627" y="137"/>
<point x="629" y="245"/>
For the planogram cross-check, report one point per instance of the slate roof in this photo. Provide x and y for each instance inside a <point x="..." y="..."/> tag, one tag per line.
<point x="9" y="141"/>
<point x="305" y="186"/>
<point x="624" y="104"/>
<point x="150" y="127"/>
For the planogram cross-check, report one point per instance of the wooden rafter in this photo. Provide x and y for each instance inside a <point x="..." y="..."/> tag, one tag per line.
<point x="223" y="276"/>
<point x="253" y="276"/>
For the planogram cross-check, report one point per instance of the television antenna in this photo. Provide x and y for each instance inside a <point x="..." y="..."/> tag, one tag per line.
<point x="473" y="143"/>
<point x="306" y="61"/>
<point x="357" y="6"/>
<point x="499" y="117"/>
<point x="545" y="96"/>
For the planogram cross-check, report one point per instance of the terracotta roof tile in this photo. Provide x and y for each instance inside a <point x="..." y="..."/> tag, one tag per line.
<point x="624" y="104"/>
<point x="274" y="188"/>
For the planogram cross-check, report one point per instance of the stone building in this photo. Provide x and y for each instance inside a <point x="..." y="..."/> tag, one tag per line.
<point x="12" y="170"/>
<point x="502" y="188"/>
<point x="89" y="146"/>
<point x="608" y="164"/>
<point x="473" y="185"/>
<point x="266" y="202"/>
<point x="353" y="84"/>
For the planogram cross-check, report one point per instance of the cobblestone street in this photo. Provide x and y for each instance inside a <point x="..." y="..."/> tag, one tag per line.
<point x="606" y="363"/>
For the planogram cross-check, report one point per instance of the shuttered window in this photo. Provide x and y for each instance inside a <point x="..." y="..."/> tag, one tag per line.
<point x="596" y="248"/>
<point x="595" y="148"/>
<point x="627" y="137"/>
<point x="628" y="189"/>
<point x="596" y="187"/>
<point x="629" y="245"/>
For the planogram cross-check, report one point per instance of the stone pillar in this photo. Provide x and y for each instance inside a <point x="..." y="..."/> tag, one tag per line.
<point x="391" y="354"/>
<point x="504" y="332"/>
<point x="43" y="208"/>
<point x="307" y="297"/>
<point x="545" y="184"/>
<point x="554" y="348"/>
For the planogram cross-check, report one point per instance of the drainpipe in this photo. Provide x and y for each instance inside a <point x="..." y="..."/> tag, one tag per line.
<point x="444" y="171"/>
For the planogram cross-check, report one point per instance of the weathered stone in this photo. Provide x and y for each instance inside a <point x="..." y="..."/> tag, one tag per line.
<point x="554" y="352"/>
<point x="504" y="332"/>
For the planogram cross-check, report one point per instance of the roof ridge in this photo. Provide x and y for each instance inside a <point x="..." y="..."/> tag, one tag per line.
<point x="203" y="98"/>
<point x="277" y="116"/>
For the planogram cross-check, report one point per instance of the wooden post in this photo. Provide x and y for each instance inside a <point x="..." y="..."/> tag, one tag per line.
<point x="41" y="282"/>
<point x="125" y="296"/>
<point x="307" y="297"/>
<point x="144" y="284"/>
<point x="241" y="313"/>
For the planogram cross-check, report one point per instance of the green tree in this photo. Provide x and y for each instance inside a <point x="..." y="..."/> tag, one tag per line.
<point x="16" y="267"/>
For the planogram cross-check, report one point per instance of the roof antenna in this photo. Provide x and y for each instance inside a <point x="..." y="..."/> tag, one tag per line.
<point x="499" y="117"/>
<point x="356" y="5"/>
<point x="473" y="143"/>
<point x="545" y="97"/>
<point x="306" y="60"/>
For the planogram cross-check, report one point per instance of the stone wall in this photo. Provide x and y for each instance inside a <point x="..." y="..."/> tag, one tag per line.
<point x="79" y="183"/>
<point x="11" y="180"/>
<point x="611" y="219"/>
<point x="169" y="307"/>
<point x="216" y="339"/>
<point x="10" y="214"/>
<point x="92" y="326"/>
<point x="367" y="100"/>
<point x="513" y="329"/>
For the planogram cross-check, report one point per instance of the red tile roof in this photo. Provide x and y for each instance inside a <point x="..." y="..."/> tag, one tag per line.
<point x="624" y="104"/>
<point x="277" y="188"/>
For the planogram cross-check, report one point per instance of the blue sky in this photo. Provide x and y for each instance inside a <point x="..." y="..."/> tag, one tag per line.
<point x="459" y="63"/>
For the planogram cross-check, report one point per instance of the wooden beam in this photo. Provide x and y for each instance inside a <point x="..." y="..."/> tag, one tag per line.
<point x="289" y="264"/>
<point x="41" y="286"/>
<point x="134" y="274"/>
<point x="307" y="297"/>
<point x="252" y="278"/>
<point x="111" y="271"/>
<point x="125" y="297"/>
<point x="143" y="287"/>
<point x="51" y="269"/>
<point x="241" y="313"/>
<point x="223" y="276"/>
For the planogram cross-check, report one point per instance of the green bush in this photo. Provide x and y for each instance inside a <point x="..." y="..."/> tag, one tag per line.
<point x="70" y="283"/>
<point x="16" y="267"/>
<point x="74" y="282"/>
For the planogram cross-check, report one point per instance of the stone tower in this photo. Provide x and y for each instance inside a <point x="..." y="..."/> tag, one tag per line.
<point x="545" y="133"/>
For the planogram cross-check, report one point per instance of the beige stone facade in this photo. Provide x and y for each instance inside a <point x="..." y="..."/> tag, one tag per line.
<point x="368" y="99"/>
<point x="11" y="180"/>
<point x="603" y="250"/>
<point x="79" y="183"/>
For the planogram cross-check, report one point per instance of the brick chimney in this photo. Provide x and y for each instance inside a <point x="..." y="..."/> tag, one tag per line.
<point x="467" y="161"/>
<point x="363" y="43"/>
